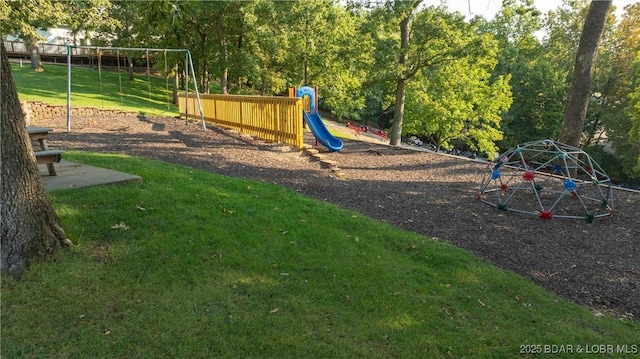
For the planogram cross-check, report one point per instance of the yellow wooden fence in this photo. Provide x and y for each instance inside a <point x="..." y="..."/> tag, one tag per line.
<point x="272" y="118"/>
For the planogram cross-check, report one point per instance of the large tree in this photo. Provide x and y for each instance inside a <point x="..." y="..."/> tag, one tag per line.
<point x="631" y="161"/>
<point x="24" y="18"/>
<point x="538" y="85"/>
<point x="30" y="227"/>
<point x="611" y="112"/>
<point x="580" y="93"/>
<point x="458" y="103"/>
<point x="405" y="14"/>
<point x="425" y="42"/>
<point x="87" y="16"/>
<point x="325" y="48"/>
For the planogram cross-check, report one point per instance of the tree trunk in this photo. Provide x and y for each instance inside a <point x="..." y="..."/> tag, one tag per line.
<point x="205" y="79"/>
<point x="576" y="110"/>
<point x="34" y="54"/>
<point x="305" y="62"/>
<point x="224" y="80"/>
<point x="130" y="61"/>
<point x="224" y="54"/>
<point x="395" y="136"/>
<point x="30" y="227"/>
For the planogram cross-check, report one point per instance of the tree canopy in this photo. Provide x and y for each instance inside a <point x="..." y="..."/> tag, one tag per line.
<point x="406" y="66"/>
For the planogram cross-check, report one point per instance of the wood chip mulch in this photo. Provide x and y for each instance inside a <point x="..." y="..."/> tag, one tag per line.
<point x="594" y="264"/>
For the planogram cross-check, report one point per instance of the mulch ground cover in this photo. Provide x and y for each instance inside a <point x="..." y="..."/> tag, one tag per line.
<point x="594" y="264"/>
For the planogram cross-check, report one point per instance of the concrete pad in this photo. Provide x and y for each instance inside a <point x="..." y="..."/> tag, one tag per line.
<point x="77" y="175"/>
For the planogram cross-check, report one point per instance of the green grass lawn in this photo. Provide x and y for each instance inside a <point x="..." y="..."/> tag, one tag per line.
<point x="189" y="264"/>
<point x="89" y="88"/>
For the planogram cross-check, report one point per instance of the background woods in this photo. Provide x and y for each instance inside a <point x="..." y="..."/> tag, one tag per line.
<point x="412" y="68"/>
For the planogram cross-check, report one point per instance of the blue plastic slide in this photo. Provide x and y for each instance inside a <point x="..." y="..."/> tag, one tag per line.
<point x="321" y="132"/>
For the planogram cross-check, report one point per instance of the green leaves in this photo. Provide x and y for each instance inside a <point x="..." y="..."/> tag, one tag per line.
<point x="452" y="96"/>
<point x="23" y="18"/>
<point x="458" y="102"/>
<point x="458" y="74"/>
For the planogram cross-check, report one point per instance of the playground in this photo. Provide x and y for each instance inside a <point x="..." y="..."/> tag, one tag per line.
<point x="594" y="264"/>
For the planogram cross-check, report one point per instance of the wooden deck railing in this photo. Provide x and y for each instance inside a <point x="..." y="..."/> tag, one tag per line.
<point x="17" y="47"/>
<point x="275" y="119"/>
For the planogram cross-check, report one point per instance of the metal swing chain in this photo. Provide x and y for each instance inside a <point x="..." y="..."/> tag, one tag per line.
<point x="148" y="75"/>
<point x="119" y="76"/>
<point x="166" y="78"/>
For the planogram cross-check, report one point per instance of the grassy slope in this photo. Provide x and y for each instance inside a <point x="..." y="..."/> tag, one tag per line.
<point x="219" y="267"/>
<point x="88" y="88"/>
<point x="213" y="266"/>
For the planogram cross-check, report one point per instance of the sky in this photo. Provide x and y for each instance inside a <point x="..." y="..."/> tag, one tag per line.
<point x="488" y="8"/>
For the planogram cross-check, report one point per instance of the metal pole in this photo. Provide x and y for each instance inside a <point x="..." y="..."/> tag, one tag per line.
<point x="186" y="87"/>
<point x="148" y="75"/>
<point x="188" y="65"/>
<point x="127" y="48"/>
<point x="68" y="88"/>
<point x="195" y="83"/>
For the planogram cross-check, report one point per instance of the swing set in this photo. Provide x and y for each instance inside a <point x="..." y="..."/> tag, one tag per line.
<point x="188" y="67"/>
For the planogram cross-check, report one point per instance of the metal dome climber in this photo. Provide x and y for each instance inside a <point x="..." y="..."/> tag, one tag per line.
<point x="548" y="179"/>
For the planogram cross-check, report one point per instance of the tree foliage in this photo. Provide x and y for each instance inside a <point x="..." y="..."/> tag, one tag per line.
<point x="410" y="39"/>
<point x="455" y="97"/>
<point x="458" y="102"/>
<point x="405" y="66"/>
<point x="24" y="18"/>
<point x="537" y="85"/>
<point x="627" y="143"/>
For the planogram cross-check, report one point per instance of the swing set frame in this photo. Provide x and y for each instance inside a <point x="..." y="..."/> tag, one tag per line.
<point x="188" y="66"/>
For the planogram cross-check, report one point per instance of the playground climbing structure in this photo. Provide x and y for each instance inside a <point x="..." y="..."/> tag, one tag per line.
<point x="314" y="121"/>
<point x="548" y="179"/>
